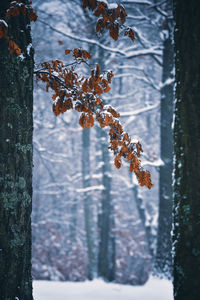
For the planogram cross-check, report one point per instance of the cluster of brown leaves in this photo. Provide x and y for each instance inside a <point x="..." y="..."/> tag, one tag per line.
<point x="111" y="19"/>
<point x="79" y="53"/>
<point x="16" y="8"/>
<point x="71" y="91"/>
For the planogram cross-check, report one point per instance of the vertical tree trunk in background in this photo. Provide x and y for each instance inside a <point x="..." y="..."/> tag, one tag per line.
<point x="106" y="222"/>
<point x="186" y="237"/>
<point x="88" y="207"/>
<point x="141" y="212"/>
<point x="73" y="220"/>
<point x="16" y="90"/>
<point x="164" y="242"/>
<point x="106" y="255"/>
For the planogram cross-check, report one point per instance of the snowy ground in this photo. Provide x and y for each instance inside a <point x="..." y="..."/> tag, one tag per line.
<point x="154" y="289"/>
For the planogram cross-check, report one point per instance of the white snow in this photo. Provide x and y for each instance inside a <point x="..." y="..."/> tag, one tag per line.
<point x="167" y="82"/>
<point x="156" y="163"/>
<point x="3" y="22"/>
<point x="112" y="5"/>
<point x="29" y="48"/>
<point x="21" y="57"/>
<point x="154" y="289"/>
<point x="140" y="110"/>
<point x="90" y="188"/>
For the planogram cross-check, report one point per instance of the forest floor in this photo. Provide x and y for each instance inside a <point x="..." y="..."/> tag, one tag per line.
<point x="154" y="289"/>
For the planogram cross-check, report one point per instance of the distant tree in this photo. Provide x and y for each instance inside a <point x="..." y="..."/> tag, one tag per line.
<point x="186" y="238"/>
<point x="88" y="215"/>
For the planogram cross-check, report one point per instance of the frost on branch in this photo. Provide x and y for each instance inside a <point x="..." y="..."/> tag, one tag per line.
<point x="71" y="91"/>
<point x="110" y="17"/>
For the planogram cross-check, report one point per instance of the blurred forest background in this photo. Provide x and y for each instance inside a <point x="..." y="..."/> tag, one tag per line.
<point x="90" y="219"/>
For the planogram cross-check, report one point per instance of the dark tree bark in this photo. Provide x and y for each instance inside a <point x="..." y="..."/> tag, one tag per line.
<point x="16" y="101"/>
<point x="164" y="242"/>
<point x="186" y="237"/>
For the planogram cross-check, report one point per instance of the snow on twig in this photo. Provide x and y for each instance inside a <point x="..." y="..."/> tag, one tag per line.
<point x="91" y="188"/>
<point x="139" y="111"/>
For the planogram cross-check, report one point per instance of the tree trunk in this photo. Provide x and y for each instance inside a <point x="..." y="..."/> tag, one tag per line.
<point x="186" y="238"/>
<point x="106" y="254"/>
<point x="164" y="242"/>
<point x="88" y="207"/>
<point x="141" y="212"/>
<point x="16" y="101"/>
<point x="106" y="222"/>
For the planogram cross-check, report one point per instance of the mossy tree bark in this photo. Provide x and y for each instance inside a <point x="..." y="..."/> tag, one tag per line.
<point x="186" y="238"/>
<point x="16" y="90"/>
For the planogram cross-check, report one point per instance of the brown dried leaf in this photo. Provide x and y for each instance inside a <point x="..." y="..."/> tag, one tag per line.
<point x="86" y="54"/>
<point x="107" y="89"/>
<point x="98" y="90"/>
<point x="114" y="31"/>
<point x="85" y="86"/>
<point x="67" y="51"/>
<point x="33" y="16"/>
<point x="14" y="48"/>
<point x="118" y="162"/>
<point x="131" y="35"/>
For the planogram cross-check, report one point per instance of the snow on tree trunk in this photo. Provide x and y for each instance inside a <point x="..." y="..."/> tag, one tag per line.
<point x="16" y="101"/>
<point x="186" y="238"/>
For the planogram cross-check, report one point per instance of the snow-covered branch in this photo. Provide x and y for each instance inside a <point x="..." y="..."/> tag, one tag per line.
<point x="142" y="2"/>
<point x="167" y="82"/>
<point x="91" y="188"/>
<point x="139" y="111"/>
<point x="155" y="50"/>
<point x="156" y="163"/>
